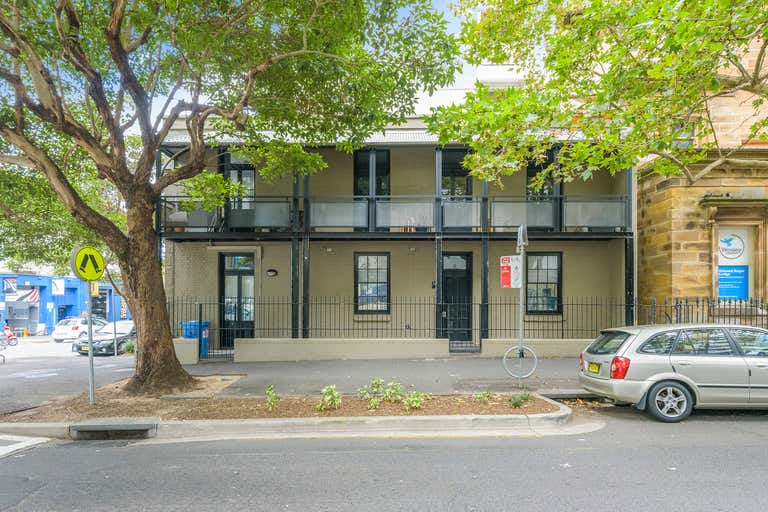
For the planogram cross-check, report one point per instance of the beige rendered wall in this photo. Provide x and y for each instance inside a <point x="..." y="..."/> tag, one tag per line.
<point x="192" y="277"/>
<point x="412" y="170"/>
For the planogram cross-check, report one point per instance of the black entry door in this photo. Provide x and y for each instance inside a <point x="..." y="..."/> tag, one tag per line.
<point x="237" y="299"/>
<point x="457" y="300"/>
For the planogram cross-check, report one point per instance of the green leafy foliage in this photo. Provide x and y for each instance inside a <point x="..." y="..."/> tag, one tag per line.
<point x="415" y="400"/>
<point x="273" y="399"/>
<point x="616" y="84"/>
<point x="394" y="392"/>
<point x="330" y="399"/>
<point x="316" y="73"/>
<point x="208" y="191"/>
<point x="484" y="397"/>
<point x="519" y="400"/>
<point x="373" y="393"/>
<point x="130" y="347"/>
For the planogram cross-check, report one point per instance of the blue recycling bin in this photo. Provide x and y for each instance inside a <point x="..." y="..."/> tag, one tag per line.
<point x="191" y="330"/>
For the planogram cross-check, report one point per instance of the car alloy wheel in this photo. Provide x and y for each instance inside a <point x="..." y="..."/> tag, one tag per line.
<point x="670" y="402"/>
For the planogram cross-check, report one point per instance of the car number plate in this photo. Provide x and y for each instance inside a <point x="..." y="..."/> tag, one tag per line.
<point x="594" y="368"/>
<point x="85" y="348"/>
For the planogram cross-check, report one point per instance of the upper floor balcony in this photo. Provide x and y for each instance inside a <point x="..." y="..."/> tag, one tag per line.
<point x="412" y="191"/>
<point x="605" y="214"/>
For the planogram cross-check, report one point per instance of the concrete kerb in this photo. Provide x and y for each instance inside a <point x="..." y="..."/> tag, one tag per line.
<point x="357" y="426"/>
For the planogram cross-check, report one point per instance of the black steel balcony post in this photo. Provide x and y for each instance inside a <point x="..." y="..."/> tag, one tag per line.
<point x="224" y="166"/>
<point x="295" y="228"/>
<point x="439" y="307"/>
<point x="371" y="191"/>
<point x="484" y="265"/>
<point x="629" y="280"/>
<point x="628" y="201"/>
<point x="305" y="260"/>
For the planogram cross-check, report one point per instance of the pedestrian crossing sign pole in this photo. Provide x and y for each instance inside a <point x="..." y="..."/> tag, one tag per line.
<point x="88" y="264"/>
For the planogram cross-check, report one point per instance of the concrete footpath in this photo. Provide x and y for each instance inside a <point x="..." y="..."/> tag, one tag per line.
<point x="557" y="378"/>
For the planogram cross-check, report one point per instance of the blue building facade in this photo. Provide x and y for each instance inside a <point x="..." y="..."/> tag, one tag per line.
<point x="35" y="303"/>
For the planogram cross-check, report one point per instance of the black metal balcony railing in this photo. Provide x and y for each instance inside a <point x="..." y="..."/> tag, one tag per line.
<point x="400" y="214"/>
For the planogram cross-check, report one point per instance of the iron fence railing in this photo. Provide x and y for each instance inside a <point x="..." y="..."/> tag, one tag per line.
<point x="464" y="322"/>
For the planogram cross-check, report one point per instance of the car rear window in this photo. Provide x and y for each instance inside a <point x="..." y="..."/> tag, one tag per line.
<point x="609" y="342"/>
<point x="68" y="321"/>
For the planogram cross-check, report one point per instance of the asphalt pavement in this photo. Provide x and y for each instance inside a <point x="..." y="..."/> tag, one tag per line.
<point x="437" y="376"/>
<point x="37" y="371"/>
<point x="710" y="462"/>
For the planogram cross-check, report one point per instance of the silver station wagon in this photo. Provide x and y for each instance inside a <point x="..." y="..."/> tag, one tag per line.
<point x="668" y="370"/>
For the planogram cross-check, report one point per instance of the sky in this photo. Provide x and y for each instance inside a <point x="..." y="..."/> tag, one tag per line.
<point x="467" y="77"/>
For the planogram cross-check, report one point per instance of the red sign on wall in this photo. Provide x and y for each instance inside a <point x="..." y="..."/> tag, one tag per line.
<point x="505" y="271"/>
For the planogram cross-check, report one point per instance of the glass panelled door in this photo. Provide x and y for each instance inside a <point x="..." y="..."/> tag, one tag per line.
<point x="237" y="294"/>
<point x="543" y="205"/>
<point x="457" y="299"/>
<point x="241" y="212"/>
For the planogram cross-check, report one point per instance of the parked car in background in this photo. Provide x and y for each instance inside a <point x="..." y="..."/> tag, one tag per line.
<point x="70" y="328"/>
<point x="669" y="370"/>
<point x="104" y="338"/>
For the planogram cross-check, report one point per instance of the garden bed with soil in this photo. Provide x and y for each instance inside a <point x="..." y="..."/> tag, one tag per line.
<point x="112" y="401"/>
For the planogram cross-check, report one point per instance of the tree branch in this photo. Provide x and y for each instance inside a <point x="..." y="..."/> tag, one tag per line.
<point x="677" y="162"/>
<point x="79" y="209"/>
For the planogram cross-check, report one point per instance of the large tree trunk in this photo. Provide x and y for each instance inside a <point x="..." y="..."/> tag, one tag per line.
<point x="157" y="368"/>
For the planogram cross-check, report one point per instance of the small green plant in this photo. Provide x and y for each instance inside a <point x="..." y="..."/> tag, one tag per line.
<point x="273" y="399"/>
<point x="130" y="347"/>
<point x="415" y="400"/>
<point x="484" y="397"/>
<point x="374" y="389"/>
<point x="517" y="401"/>
<point x="394" y="392"/>
<point x="373" y="392"/>
<point x="331" y="399"/>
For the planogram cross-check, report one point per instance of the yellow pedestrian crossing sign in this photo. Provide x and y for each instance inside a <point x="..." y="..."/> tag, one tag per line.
<point x="87" y="263"/>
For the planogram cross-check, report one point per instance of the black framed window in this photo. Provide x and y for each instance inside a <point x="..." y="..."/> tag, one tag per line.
<point x="362" y="163"/>
<point x="372" y="290"/>
<point x="456" y="180"/>
<point x="544" y="283"/>
<point x="548" y="189"/>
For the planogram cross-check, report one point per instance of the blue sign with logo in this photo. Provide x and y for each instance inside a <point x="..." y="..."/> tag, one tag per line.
<point x="733" y="282"/>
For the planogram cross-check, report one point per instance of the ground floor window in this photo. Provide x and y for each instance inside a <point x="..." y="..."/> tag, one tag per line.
<point x="544" y="282"/>
<point x="372" y="282"/>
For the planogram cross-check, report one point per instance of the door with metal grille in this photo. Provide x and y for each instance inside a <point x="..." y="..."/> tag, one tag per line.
<point x="457" y="301"/>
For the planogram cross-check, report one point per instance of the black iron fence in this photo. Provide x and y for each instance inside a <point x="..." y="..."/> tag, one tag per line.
<point x="464" y="322"/>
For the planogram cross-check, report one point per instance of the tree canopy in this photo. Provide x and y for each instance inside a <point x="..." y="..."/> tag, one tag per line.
<point x="614" y="83"/>
<point x="77" y="77"/>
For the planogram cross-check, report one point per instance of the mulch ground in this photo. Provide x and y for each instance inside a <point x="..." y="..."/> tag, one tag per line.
<point x="112" y="401"/>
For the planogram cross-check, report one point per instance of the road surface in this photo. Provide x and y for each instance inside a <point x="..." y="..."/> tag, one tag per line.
<point x="712" y="462"/>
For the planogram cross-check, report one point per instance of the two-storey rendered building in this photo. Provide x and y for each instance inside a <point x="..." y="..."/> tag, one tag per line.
<point x="393" y="251"/>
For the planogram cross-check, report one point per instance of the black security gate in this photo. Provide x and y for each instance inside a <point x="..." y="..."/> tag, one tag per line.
<point x="457" y="302"/>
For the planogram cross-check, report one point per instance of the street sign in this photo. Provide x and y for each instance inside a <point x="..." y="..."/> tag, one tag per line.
<point x="517" y="271"/>
<point x="505" y="271"/>
<point x="87" y="263"/>
<point x="511" y="272"/>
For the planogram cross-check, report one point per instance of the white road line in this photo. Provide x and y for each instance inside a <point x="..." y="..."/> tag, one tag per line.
<point x="20" y="443"/>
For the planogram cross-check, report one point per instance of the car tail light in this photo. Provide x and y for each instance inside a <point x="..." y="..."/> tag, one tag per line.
<point x="75" y="327"/>
<point x="619" y="367"/>
<point x="581" y="361"/>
